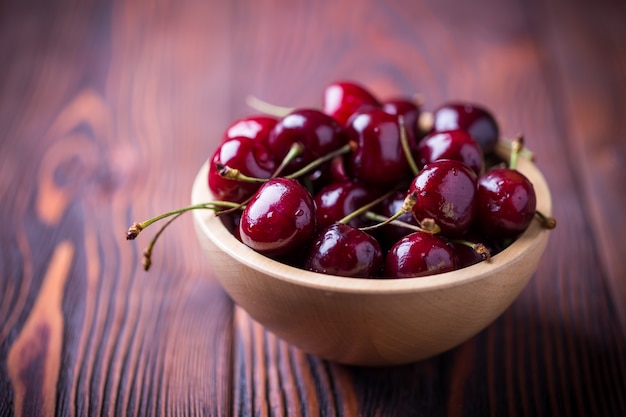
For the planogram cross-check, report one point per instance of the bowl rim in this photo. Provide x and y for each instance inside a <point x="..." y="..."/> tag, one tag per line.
<point x="213" y="228"/>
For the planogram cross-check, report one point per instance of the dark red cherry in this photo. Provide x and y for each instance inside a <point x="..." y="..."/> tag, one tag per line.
<point x="419" y="254"/>
<point x="346" y="251"/>
<point x="451" y="144"/>
<point x="477" y="120"/>
<point x="279" y="219"/>
<point x="338" y="199"/>
<point x="247" y="155"/>
<point x="506" y="202"/>
<point x="378" y="158"/>
<point x="410" y="110"/>
<point x="344" y="98"/>
<point x="445" y="191"/>
<point x="318" y="133"/>
<point x="253" y="127"/>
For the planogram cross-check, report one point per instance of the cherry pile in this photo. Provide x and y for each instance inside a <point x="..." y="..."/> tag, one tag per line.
<point x="363" y="187"/>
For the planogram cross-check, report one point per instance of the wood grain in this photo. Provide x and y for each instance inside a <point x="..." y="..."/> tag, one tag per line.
<point x="108" y="108"/>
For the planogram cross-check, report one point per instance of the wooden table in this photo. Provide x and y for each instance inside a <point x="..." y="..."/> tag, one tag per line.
<point x="107" y="111"/>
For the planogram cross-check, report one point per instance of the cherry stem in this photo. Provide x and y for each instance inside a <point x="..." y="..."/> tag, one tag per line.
<point x="365" y="208"/>
<point x="234" y="174"/>
<point x="267" y="108"/>
<point x="546" y="221"/>
<point x="386" y="220"/>
<point x="295" y="151"/>
<point x="479" y="248"/>
<point x="137" y="227"/>
<point x="524" y="152"/>
<point x="404" y="141"/>
<point x="321" y="160"/>
<point x="426" y="225"/>
<point x="147" y="253"/>
<point x="517" y="145"/>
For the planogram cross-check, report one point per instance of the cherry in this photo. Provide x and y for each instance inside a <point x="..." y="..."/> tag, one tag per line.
<point x="478" y="121"/>
<point x="378" y="158"/>
<point x="254" y="127"/>
<point x="506" y="202"/>
<point x="317" y="132"/>
<point x="279" y="219"/>
<point x="419" y="254"/>
<point x="248" y="156"/>
<point x="451" y="144"/>
<point x="445" y="192"/>
<point x="338" y="199"/>
<point x="344" y="250"/>
<point x="344" y="98"/>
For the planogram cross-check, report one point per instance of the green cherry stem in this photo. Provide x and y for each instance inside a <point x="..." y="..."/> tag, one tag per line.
<point x="517" y="145"/>
<point x="404" y="141"/>
<point x="365" y="208"/>
<point x="147" y="253"/>
<point x="137" y="227"/>
<point x="386" y="220"/>
<point x="321" y="160"/>
<point x="295" y="151"/>
<point x="234" y="174"/>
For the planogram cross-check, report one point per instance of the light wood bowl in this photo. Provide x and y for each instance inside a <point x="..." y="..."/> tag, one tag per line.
<point x="371" y="321"/>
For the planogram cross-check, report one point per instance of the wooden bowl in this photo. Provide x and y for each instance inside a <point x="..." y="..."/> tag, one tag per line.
<point x="371" y="321"/>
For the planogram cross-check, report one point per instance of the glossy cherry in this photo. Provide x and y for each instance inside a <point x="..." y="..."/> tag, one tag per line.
<point x="477" y="120"/>
<point x="419" y="254"/>
<point x="445" y="191"/>
<point x="451" y="144"/>
<point x="279" y="219"/>
<point x="257" y="127"/>
<point x="378" y="158"/>
<point x="339" y="199"/>
<point x="318" y="133"/>
<point x="342" y="99"/>
<point x="344" y="250"/>
<point x="506" y="203"/>
<point x="247" y="155"/>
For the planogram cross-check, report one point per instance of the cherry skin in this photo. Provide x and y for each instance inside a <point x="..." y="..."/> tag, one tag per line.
<point x="478" y="121"/>
<point x="344" y="98"/>
<point x="506" y="203"/>
<point x="318" y="133"/>
<point x="344" y="250"/>
<point x="338" y="199"/>
<point x="451" y="144"/>
<point x="279" y="219"/>
<point x="445" y="191"/>
<point x="419" y="254"/>
<point x="247" y="155"/>
<point x="254" y="127"/>
<point x="378" y="158"/>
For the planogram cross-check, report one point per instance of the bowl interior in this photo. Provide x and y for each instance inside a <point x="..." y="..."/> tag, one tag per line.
<point x="219" y="234"/>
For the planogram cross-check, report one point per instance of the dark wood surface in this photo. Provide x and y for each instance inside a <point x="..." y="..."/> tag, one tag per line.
<point x="107" y="111"/>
